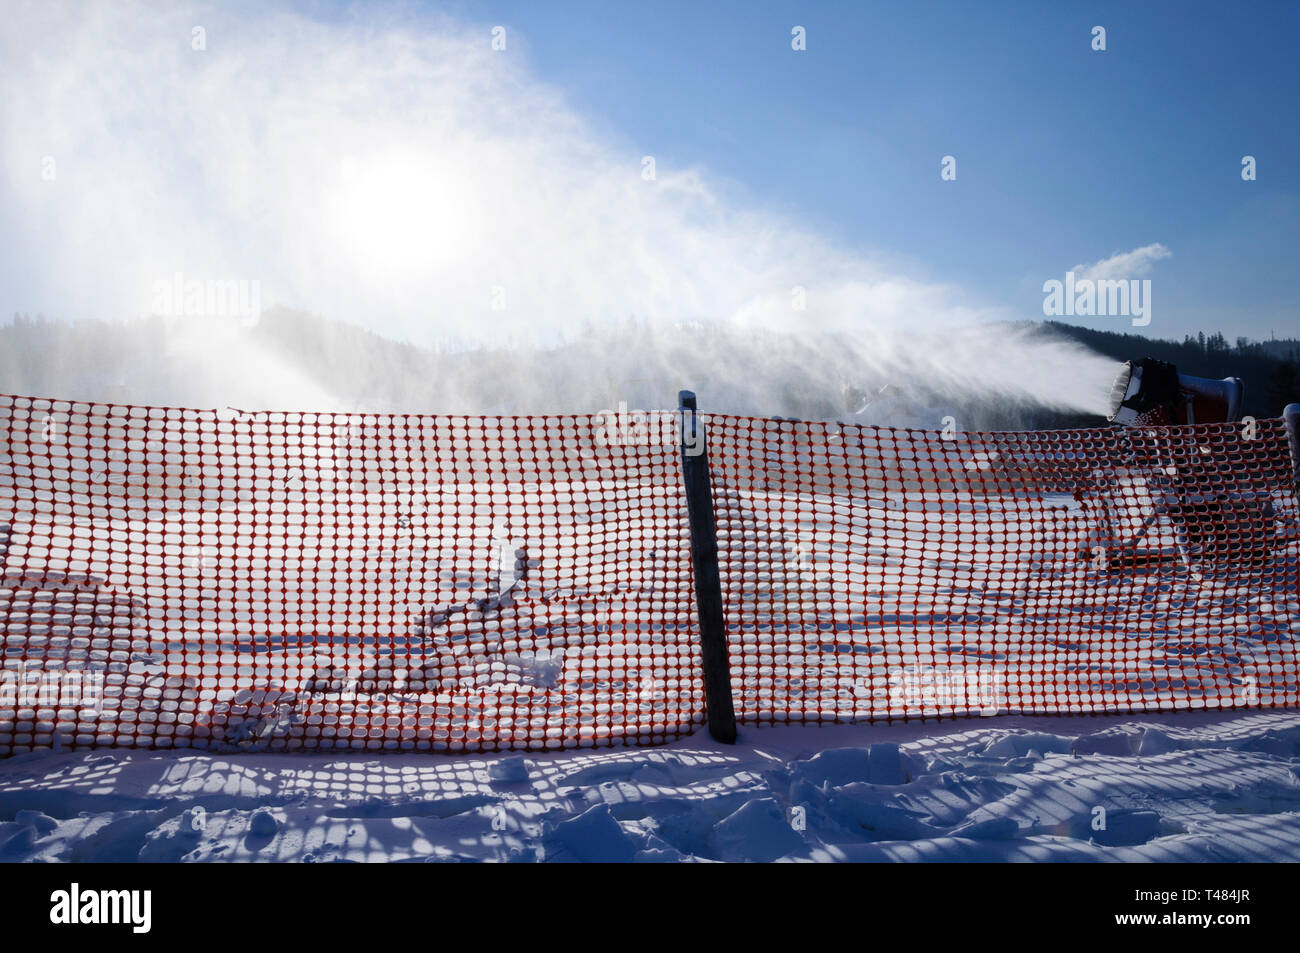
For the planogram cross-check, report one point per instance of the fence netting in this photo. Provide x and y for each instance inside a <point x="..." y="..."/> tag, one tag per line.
<point x="176" y="578"/>
<point x="871" y="573"/>
<point x="296" y="581"/>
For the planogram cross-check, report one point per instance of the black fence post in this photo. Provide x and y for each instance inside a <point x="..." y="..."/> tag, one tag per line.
<point x="1291" y="414"/>
<point x="708" y="583"/>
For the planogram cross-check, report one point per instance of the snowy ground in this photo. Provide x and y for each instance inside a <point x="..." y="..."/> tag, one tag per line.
<point x="1188" y="787"/>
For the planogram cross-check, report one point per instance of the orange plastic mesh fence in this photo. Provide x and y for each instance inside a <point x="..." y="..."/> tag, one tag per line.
<point x="876" y="574"/>
<point x="370" y="581"/>
<point x="297" y="581"/>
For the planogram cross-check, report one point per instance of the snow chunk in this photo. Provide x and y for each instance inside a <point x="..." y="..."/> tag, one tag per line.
<point x="758" y="831"/>
<point x="1019" y="744"/>
<point x="858" y="808"/>
<point x="886" y="765"/>
<point x="263" y="824"/>
<point x="40" y="823"/>
<point x="1154" y="741"/>
<point x="16" y="841"/>
<point x="593" y="836"/>
<point x="880" y="763"/>
<point x="509" y="770"/>
<point x="836" y="767"/>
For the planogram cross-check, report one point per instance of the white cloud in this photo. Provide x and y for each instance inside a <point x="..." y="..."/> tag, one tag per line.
<point x="1123" y="265"/>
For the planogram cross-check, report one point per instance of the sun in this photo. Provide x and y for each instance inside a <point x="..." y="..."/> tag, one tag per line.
<point x="397" y="215"/>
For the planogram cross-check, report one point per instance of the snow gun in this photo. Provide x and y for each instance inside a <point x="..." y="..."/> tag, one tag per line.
<point x="1172" y="493"/>
<point x="1152" y="393"/>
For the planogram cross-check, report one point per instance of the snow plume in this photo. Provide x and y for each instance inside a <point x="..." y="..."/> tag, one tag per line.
<point x="392" y="168"/>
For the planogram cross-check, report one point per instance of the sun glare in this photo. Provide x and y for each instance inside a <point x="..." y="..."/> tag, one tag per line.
<point x="396" y="214"/>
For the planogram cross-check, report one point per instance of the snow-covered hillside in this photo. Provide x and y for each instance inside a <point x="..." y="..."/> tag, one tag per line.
<point x="1187" y="787"/>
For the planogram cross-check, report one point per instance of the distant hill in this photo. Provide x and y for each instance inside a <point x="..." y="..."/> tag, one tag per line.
<point x="294" y="360"/>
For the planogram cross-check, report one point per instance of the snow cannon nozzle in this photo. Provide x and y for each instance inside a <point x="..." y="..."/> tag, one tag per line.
<point x="1153" y="393"/>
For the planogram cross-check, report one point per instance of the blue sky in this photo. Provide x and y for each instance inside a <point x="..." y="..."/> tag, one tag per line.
<point x="1065" y="155"/>
<point x="380" y="163"/>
